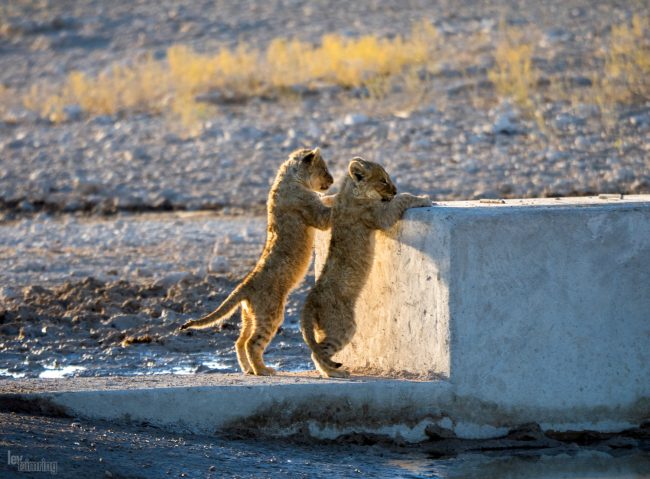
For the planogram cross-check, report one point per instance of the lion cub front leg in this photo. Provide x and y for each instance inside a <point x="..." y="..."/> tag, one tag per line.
<point x="318" y="215"/>
<point x="390" y="212"/>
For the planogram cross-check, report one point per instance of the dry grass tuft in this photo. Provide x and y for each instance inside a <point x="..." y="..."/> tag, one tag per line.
<point x="514" y="76"/>
<point x="177" y="85"/>
<point x="172" y="85"/>
<point x="626" y="75"/>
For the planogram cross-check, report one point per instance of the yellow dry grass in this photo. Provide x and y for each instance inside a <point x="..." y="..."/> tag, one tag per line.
<point x="626" y="75"/>
<point x="513" y="75"/>
<point x="623" y="79"/>
<point x="171" y="85"/>
<point x="382" y="66"/>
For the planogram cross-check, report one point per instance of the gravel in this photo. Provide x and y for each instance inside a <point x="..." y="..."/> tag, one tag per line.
<point x="446" y="143"/>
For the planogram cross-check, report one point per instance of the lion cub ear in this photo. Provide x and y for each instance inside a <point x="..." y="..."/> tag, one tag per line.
<point x="309" y="156"/>
<point x="358" y="168"/>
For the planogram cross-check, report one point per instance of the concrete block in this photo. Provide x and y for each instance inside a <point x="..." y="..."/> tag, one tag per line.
<point x="533" y="305"/>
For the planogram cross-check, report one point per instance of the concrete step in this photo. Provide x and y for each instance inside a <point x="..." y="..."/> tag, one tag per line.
<point x="233" y="403"/>
<point x="284" y="405"/>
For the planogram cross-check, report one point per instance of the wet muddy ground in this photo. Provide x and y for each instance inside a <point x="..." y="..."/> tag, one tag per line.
<point x="78" y="448"/>
<point x="87" y="297"/>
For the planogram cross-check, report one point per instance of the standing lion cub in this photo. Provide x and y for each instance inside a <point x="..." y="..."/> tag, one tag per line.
<point x="367" y="202"/>
<point x="294" y="210"/>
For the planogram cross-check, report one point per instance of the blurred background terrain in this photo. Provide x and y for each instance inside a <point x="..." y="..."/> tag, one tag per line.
<point x="136" y="106"/>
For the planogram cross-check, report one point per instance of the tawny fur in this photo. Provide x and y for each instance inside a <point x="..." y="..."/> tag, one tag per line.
<point x="366" y="203"/>
<point x="294" y="210"/>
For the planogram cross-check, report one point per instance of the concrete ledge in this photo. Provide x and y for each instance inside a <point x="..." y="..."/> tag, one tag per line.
<point x="285" y="405"/>
<point x="535" y="306"/>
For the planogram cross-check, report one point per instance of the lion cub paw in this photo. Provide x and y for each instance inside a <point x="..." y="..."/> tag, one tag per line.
<point x="422" y="201"/>
<point x="265" y="371"/>
<point x="336" y="373"/>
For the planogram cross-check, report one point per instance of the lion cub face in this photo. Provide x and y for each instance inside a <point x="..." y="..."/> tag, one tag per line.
<point x="370" y="180"/>
<point x="313" y="169"/>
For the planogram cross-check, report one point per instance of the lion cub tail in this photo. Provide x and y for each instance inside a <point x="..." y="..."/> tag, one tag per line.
<point x="307" y="327"/>
<point x="221" y="314"/>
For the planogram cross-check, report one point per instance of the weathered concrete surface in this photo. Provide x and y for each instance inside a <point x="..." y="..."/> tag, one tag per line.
<point x="282" y="405"/>
<point x="532" y="305"/>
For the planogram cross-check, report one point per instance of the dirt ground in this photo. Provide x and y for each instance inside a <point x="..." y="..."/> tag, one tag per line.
<point x="77" y="448"/>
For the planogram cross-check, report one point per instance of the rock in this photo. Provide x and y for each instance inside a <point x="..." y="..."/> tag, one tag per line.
<point x="168" y="316"/>
<point x="506" y="121"/>
<point x="421" y="144"/>
<point x="34" y="290"/>
<point x="436" y="432"/>
<point x="103" y="120"/>
<point x="580" y="81"/>
<point x="17" y="116"/>
<point x="623" y="174"/>
<point x="620" y="442"/>
<point x="73" y="112"/>
<point x="527" y="432"/>
<point x="636" y="117"/>
<point x="313" y="132"/>
<point x="566" y="121"/>
<point x="123" y="322"/>
<point x="218" y="264"/>
<point x="7" y="294"/>
<point x="352" y="119"/>
<point x="72" y="205"/>
<point x="9" y="330"/>
<point x="250" y="133"/>
<point x="203" y="369"/>
<point x="290" y="144"/>
<point x="555" y="35"/>
<point x="14" y="144"/>
<point x="583" y="142"/>
<point x="171" y="279"/>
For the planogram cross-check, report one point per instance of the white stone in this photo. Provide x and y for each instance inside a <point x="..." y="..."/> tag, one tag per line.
<point x="352" y="119"/>
<point x="218" y="264"/>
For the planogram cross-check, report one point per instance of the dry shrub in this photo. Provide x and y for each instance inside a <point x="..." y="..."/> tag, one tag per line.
<point x="513" y="75"/>
<point x="172" y="85"/>
<point x="626" y="77"/>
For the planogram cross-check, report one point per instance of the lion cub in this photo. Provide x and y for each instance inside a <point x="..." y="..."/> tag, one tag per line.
<point x="294" y="210"/>
<point x="367" y="202"/>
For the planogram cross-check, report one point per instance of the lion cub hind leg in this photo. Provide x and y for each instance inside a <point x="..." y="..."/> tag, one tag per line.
<point x="328" y="347"/>
<point x="326" y="371"/>
<point x="265" y="324"/>
<point x="247" y="327"/>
